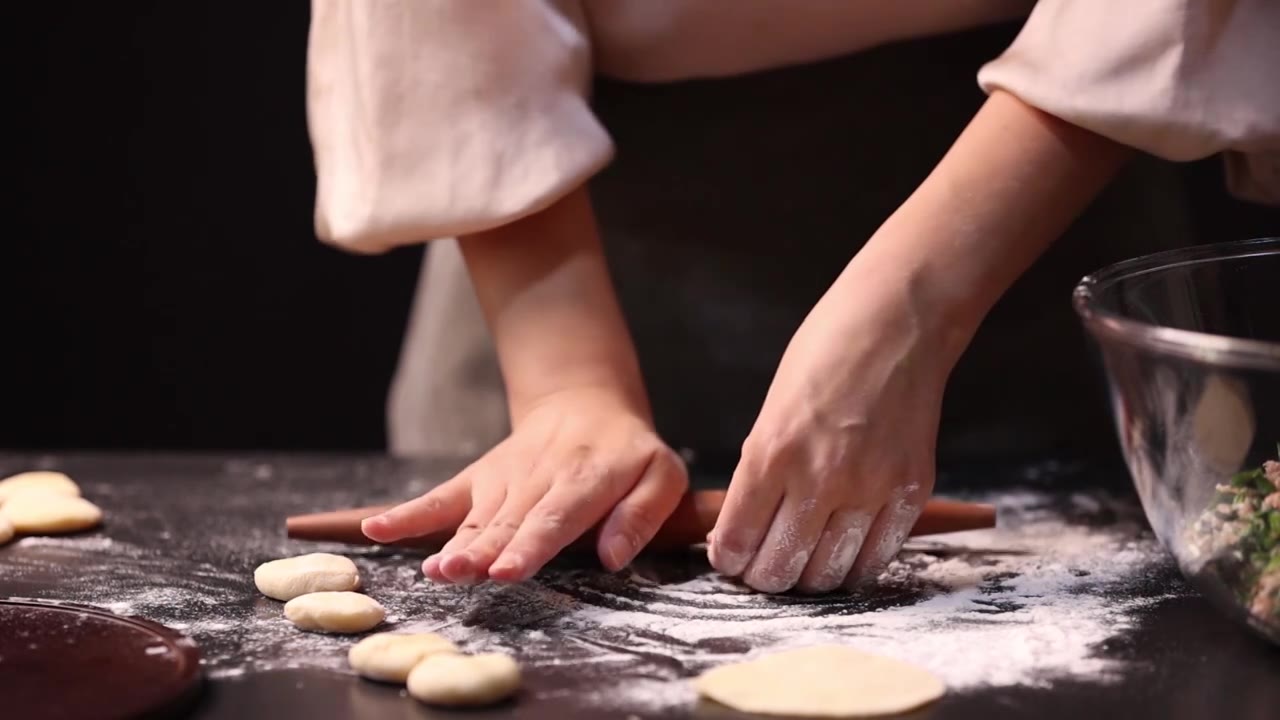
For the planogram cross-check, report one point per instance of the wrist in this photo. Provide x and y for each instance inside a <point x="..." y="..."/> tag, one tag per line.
<point x="1008" y="187"/>
<point x="904" y="301"/>
<point x="603" y="383"/>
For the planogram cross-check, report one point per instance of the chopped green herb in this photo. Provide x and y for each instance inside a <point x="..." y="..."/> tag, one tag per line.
<point x="1239" y="535"/>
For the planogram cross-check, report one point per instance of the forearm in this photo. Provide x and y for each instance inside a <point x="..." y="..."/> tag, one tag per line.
<point x="1010" y="185"/>
<point x="545" y="291"/>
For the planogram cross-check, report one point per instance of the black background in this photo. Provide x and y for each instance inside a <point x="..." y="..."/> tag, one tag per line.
<point x="161" y="283"/>
<point x="170" y="291"/>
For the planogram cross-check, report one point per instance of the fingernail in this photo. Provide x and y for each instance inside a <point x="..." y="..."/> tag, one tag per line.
<point x="617" y="553"/>
<point x="507" y="564"/>
<point x="431" y="567"/>
<point x="821" y="586"/>
<point x="729" y="563"/>
<point x="866" y="578"/>
<point x="887" y="549"/>
<point x="374" y="525"/>
<point x="463" y="568"/>
<point x="766" y="583"/>
<point x="467" y="565"/>
<point x="872" y="574"/>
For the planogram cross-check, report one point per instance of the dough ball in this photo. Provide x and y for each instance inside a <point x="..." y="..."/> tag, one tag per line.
<point x="6" y="530"/>
<point x="40" y="513"/>
<point x="39" y="481"/>
<point x="288" y="578"/>
<point x="464" y="680"/>
<point x="334" y="612"/>
<point x="389" y="657"/>
<point x="825" y="681"/>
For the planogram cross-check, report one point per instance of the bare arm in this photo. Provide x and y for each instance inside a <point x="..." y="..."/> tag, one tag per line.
<point x="841" y="458"/>
<point x="546" y="295"/>
<point x="1009" y="186"/>
<point x="583" y="447"/>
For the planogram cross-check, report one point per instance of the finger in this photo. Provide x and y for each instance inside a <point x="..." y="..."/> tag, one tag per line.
<point x="442" y="507"/>
<point x="891" y="527"/>
<point x="748" y="509"/>
<point x="469" y="558"/>
<point x="452" y="564"/>
<point x="431" y="569"/>
<point x="478" y="556"/>
<point x="577" y="500"/>
<point x="836" y="551"/>
<point x="486" y="497"/>
<point x="787" y="546"/>
<point x="639" y="515"/>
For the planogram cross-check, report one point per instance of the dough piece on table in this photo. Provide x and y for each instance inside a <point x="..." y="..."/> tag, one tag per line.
<point x="44" y="481"/>
<point x="824" y="681"/>
<point x="6" y="530"/>
<point x="42" y="513"/>
<point x="288" y="578"/>
<point x="388" y="657"/>
<point x="464" y="680"/>
<point x="334" y="612"/>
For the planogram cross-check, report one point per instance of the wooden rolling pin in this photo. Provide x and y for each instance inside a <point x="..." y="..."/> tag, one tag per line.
<point x="688" y="525"/>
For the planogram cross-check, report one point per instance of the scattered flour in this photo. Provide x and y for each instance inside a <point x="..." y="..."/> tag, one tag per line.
<point x="87" y="542"/>
<point x="1030" y="603"/>
<point x="1027" y="604"/>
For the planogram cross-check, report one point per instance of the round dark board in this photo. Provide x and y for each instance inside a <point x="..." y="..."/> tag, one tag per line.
<point x="60" y="661"/>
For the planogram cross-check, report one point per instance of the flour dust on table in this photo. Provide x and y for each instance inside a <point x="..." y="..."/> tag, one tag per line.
<point x="1034" y="602"/>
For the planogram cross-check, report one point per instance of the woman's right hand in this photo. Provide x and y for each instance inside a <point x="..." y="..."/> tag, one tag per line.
<point x="575" y="458"/>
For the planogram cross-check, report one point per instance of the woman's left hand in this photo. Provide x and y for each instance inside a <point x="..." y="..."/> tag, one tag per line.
<point x="841" y="459"/>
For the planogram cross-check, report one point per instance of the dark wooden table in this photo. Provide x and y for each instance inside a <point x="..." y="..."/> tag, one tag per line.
<point x="183" y="534"/>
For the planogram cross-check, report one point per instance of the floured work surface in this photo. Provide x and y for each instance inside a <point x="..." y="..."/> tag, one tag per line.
<point x="1071" y="600"/>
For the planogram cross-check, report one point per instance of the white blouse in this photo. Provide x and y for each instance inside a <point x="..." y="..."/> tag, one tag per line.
<point x="436" y="118"/>
<point x="1180" y="79"/>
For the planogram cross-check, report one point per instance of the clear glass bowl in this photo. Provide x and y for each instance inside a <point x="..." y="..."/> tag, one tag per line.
<point x="1190" y="341"/>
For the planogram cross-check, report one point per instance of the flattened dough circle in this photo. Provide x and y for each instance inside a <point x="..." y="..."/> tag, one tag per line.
<point x="44" y="481"/>
<point x="39" y="513"/>
<point x="6" y="529"/>
<point x="824" y="681"/>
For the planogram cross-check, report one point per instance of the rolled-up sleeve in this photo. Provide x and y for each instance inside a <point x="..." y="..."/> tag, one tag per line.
<point x="437" y="118"/>
<point x="1180" y="79"/>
